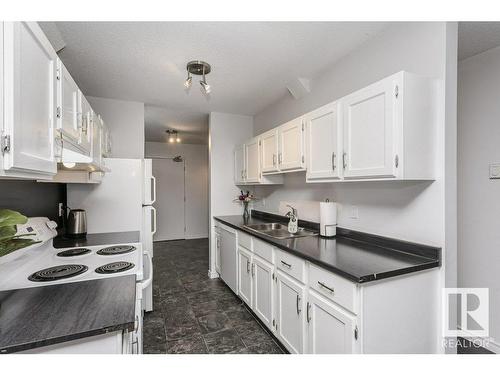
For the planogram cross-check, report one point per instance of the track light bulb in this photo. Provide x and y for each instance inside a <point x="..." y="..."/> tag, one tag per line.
<point x="205" y="87"/>
<point x="178" y="140"/>
<point x="187" y="83"/>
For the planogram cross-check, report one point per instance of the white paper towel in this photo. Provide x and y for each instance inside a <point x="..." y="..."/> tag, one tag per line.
<point x="328" y="219"/>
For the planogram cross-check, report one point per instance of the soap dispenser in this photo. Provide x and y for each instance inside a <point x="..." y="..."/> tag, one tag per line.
<point x="293" y="224"/>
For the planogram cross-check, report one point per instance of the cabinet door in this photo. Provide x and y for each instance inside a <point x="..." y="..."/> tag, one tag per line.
<point x="269" y="152"/>
<point x="29" y="90"/>
<point x="323" y="141"/>
<point x="330" y="330"/>
<point x="252" y="159"/>
<point x="245" y="276"/>
<point x="68" y="106"/>
<point x="106" y="135"/>
<point x="263" y="290"/>
<point x="239" y="164"/>
<point x="86" y="114"/>
<point x="291" y="143"/>
<point x="369" y="128"/>
<point x="290" y="314"/>
<point x="96" y="139"/>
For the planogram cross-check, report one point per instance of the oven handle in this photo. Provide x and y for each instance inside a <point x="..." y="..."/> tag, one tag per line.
<point x="147" y="282"/>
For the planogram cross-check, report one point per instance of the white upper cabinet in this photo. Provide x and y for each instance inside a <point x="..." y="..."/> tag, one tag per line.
<point x="269" y="151"/>
<point x="252" y="161"/>
<point x="291" y="146"/>
<point x="68" y="106"/>
<point x="29" y="102"/>
<point x="323" y="143"/>
<point x="87" y="117"/>
<point x="96" y="133"/>
<point x="239" y="164"/>
<point x="389" y="129"/>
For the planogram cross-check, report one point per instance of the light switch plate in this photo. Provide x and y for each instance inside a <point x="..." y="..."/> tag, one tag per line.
<point x="354" y="214"/>
<point x="495" y="171"/>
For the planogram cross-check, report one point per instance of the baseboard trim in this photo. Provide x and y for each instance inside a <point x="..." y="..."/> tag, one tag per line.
<point x="213" y="274"/>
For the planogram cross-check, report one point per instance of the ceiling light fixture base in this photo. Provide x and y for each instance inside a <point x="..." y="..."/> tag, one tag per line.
<point x="198" y="67"/>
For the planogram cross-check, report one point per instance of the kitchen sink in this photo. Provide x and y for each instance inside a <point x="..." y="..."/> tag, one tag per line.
<point x="278" y="231"/>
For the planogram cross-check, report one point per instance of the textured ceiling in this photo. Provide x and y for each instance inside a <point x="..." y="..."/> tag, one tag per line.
<point x="252" y="61"/>
<point x="477" y="37"/>
<point x="192" y="126"/>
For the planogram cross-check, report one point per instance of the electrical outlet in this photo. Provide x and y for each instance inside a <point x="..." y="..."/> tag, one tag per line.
<point x="354" y="213"/>
<point x="263" y="202"/>
<point x="494" y="171"/>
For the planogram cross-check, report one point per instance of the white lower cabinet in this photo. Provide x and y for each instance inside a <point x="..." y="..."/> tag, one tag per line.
<point x="245" y="275"/>
<point x="290" y="313"/>
<point x="329" y="329"/>
<point x="263" y="290"/>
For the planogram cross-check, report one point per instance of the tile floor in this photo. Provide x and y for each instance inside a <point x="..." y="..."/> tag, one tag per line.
<point x="194" y="314"/>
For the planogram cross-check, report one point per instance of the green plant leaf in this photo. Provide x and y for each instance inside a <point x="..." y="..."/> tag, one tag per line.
<point x="10" y="217"/>
<point x="7" y="231"/>
<point x="8" y="246"/>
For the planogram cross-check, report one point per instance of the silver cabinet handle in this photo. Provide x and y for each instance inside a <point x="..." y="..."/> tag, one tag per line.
<point x="136" y="324"/>
<point x="286" y="264"/>
<point x="344" y="160"/>
<point x="326" y="287"/>
<point x="308" y="316"/>
<point x="298" y="302"/>
<point x="274" y="160"/>
<point x="248" y="266"/>
<point x="253" y="269"/>
<point x="333" y="161"/>
<point x="279" y="158"/>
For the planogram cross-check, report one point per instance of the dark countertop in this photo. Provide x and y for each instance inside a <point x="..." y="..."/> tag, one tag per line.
<point x="357" y="256"/>
<point x="96" y="239"/>
<point x="46" y="315"/>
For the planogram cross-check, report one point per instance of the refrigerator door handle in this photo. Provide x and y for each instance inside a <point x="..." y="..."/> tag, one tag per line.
<point x="153" y="181"/>
<point x="154" y="220"/>
<point x="147" y="282"/>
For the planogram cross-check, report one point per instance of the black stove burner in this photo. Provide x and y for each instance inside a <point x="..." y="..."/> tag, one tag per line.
<point x="115" y="250"/>
<point x="74" y="252"/>
<point x="58" y="272"/>
<point x="114" y="267"/>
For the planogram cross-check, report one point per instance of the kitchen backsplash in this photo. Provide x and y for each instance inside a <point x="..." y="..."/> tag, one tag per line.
<point x="33" y="198"/>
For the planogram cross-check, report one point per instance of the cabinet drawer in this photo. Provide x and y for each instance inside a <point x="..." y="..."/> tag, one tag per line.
<point x="264" y="250"/>
<point x="291" y="265"/>
<point x="245" y="240"/>
<point x="333" y="287"/>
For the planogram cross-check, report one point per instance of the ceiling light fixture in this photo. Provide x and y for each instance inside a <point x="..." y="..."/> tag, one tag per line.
<point x="199" y="68"/>
<point x="173" y="136"/>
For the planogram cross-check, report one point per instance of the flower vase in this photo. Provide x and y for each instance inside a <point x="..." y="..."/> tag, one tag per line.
<point x="246" y="213"/>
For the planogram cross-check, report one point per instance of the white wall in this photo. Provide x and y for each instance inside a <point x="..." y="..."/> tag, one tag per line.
<point x="478" y="196"/>
<point x="196" y="185"/>
<point x="126" y="123"/>
<point x="225" y="132"/>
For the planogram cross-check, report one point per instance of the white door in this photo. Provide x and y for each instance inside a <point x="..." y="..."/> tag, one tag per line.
<point x="29" y="91"/>
<point x="330" y="330"/>
<point x="86" y="114"/>
<point x="69" y="117"/>
<point x="290" y="314"/>
<point x="263" y="291"/>
<point x="245" y="276"/>
<point x="169" y="200"/>
<point x="269" y="151"/>
<point x="252" y="161"/>
<point x="239" y="164"/>
<point x="229" y="259"/>
<point x="323" y="143"/>
<point x="291" y="144"/>
<point x="369" y="129"/>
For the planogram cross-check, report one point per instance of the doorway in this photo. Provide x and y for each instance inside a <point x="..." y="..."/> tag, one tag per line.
<point x="170" y="174"/>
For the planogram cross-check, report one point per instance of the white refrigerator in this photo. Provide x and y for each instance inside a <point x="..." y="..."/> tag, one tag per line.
<point x="122" y="202"/>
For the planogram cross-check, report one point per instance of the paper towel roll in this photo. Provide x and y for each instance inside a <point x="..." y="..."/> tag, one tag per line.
<point x="328" y="219"/>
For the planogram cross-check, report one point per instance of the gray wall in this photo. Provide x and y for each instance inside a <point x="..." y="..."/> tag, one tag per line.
<point x="478" y="196"/>
<point x="126" y="123"/>
<point x="32" y="198"/>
